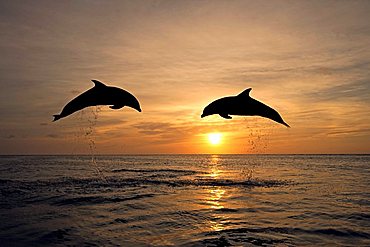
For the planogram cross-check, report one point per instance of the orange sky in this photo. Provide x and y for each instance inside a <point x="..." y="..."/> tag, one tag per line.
<point x="307" y="59"/>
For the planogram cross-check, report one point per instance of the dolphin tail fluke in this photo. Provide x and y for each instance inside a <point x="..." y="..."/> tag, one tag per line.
<point x="56" y="117"/>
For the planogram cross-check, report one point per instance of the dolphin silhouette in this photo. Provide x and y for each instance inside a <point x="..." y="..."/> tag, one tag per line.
<point x="100" y="94"/>
<point x="242" y="105"/>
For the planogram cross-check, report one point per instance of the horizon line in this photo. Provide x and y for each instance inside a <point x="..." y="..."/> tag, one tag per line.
<point x="148" y="154"/>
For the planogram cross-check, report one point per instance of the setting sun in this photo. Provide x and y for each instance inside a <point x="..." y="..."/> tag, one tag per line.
<point x="214" y="138"/>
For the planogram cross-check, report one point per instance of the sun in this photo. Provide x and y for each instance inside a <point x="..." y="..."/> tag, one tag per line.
<point x="214" y="138"/>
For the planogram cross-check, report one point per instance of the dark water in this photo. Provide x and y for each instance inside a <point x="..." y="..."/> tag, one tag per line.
<point x="185" y="200"/>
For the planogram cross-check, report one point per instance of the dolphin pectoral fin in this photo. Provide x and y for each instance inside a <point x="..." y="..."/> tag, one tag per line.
<point x="224" y="115"/>
<point x="115" y="107"/>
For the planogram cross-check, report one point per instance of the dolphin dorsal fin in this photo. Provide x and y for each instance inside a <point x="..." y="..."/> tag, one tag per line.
<point x="245" y="93"/>
<point x="98" y="83"/>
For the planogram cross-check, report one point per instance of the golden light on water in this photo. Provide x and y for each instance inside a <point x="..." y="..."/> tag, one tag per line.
<point x="215" y="195"/>
<point x="215" y="138"/>
<point x="219" y="220"/>
<point x="215" y="172"/>
<point x="215" y="198"/>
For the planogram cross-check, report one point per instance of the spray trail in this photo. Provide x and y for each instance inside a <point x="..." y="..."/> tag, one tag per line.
<point x="90" y="134"/>
<point x="89" y="117"/>
<point x="258" y="138"/>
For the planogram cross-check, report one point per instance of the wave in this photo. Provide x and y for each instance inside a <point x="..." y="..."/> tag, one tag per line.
<point x="272" y="236"/>
<point x="360" y="216"/>
<point x="117" y="182"/>
<point x="87" y="200"/>
<point x="296" y="231"/>
<point x="14" y="193"/>
<point x="226" y="241"/>
<point x="190" y="172"/>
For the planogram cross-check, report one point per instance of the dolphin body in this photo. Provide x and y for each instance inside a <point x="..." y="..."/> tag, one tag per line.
<point x="242" y="105"/>
<point x="100" y="94"/>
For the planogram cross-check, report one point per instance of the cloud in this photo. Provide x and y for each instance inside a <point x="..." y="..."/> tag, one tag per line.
<point x="177" y="56"/>
<point x="9" y="136"/>
<point x="343" y="132"/>
<point x="358" y="90"/>
<point x="53" y="136"/>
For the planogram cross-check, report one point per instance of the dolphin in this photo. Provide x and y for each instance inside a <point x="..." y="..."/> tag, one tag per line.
<point x="100" y="94"/>
<point x="242" y="105"/>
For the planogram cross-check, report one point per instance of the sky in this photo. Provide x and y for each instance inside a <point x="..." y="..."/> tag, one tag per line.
<point x="309" y="60"/>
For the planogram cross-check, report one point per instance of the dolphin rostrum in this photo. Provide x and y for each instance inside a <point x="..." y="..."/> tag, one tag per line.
<point x="242" y="105"/>
<point x="100" y="94"/>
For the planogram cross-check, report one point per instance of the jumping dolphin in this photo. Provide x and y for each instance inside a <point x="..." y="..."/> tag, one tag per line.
<point x="100" y="94"/>
<point x="242" y="105"/>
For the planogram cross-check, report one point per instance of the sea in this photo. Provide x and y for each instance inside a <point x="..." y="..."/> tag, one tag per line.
<point x="185" y="200"/>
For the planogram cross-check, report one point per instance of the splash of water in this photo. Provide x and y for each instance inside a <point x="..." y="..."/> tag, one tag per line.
<point x="258" y="138"/>
<point x="90" y="134"/>
<point x="89" y="115"/>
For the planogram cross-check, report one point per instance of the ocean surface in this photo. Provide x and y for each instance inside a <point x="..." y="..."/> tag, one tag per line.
<point x="185" y="200"/>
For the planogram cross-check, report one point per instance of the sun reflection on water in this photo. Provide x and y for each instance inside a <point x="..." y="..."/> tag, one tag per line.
<point x="214" y="159"/>
<point x="215" y="196"/>
<point x="215" y="172"/>
<point x="215" y="200"/>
